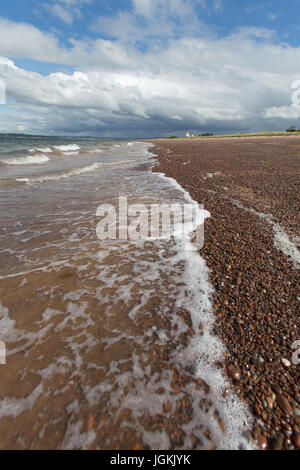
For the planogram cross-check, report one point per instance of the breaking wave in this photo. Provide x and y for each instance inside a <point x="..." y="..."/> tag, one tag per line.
<point x="67" y="148"/>
<point x="30" y="160"/>
<point x="58" y="176"/>
<point x="42" y="150"/>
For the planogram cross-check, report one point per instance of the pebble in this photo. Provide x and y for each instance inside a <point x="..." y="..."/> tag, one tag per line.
<point x="296" y="440"/>
<point x="278" y="444"/>
<point x="286" y="362"/>
<point x="262" y="442"/>
<point x="284" y="404"/>
<point x="91" y="422"/>
<point x="233" y="372"/>
<point x="296" y="411"/>
<point x="270" y="402"/>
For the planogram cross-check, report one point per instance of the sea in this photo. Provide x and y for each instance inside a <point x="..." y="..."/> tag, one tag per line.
<point x="109" y="343"/>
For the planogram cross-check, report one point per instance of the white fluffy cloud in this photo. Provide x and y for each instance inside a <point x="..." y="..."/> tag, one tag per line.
<point x="66" y="10"/>
<point x="154" y="19"/>
<point x="62" y="13"/>
<point x="239" y="82"/>
<point x="167" y="8"/>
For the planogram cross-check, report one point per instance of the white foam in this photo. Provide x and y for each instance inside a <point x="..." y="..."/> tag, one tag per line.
<point x="59" y="176"/>
<point x="286" y="245"/>
<point x="67" y="148"/>
<point x="282" y="241"/>
<point x="75" y="439"/>
<point x="30" y="160"/>
<point x="74" y="172"/>
<point x="15" y="406"/>
<point x="42" y="150"/>
<point x="6" y="323"/>
<point x="23" y="180"/>
<point x="75" y="152"/>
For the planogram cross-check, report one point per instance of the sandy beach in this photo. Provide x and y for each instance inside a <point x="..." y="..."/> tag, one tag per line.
<point x="251" y="188"/>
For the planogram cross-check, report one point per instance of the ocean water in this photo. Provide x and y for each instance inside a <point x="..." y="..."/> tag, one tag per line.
<point x="109" y="343"/>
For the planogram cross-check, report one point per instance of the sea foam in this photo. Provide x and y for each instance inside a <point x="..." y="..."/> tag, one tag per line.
<point x="30" y="160"/>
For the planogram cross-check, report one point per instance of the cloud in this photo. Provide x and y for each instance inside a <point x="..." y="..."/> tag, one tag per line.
<point x="22" y="40"/>
<point x="239" y="82"/>
<point x="66" y="10"/>
<point x="252" y="32"/>
<point x="25" y="41"/>
<point x="61" y="13"/>
<point x="169" y="8"/>
<point x="286" y="112"/>
<point x="283" y="112"/>
<point x="159" y="19"/>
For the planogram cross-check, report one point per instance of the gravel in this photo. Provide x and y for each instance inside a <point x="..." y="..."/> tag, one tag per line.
<point x="247" y="185"/>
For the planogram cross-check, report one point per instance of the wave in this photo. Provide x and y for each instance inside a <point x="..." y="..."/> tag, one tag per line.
<point x="30" y="160"/>
<point x="94" y="151"/>
<point x="74" y="172"/>
<point x="71" y="153"/>
<point x="58" y="176"/>
<point x="57" y="149"/>
<point x="42" y="150"/>
<point x="67" y="148"/>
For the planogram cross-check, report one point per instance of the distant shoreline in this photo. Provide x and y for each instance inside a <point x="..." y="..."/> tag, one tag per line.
<point x="233" y="136"/>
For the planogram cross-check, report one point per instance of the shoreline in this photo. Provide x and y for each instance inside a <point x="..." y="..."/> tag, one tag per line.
<point x="256" y="284"/>
<point x="201" y="138"/>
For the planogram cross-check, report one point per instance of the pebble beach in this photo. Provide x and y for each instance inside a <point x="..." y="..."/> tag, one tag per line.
<point x="250" y="186"/>
<point x="150" y="344"/>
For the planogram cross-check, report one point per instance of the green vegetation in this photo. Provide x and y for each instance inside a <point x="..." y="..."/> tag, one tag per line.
<point x="208" y="135"/>
<point x="292" y="129"/>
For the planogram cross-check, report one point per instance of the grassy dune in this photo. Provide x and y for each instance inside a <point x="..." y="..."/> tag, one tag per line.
<point x="256" y="134"/>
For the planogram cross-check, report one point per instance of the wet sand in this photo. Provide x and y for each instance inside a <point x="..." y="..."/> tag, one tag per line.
<point x="251" y="188"/>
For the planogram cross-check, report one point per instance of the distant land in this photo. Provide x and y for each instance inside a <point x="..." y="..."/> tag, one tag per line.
<point x="209" y="135"/>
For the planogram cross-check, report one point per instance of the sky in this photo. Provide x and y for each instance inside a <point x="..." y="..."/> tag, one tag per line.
<point x="148" y="68"/>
